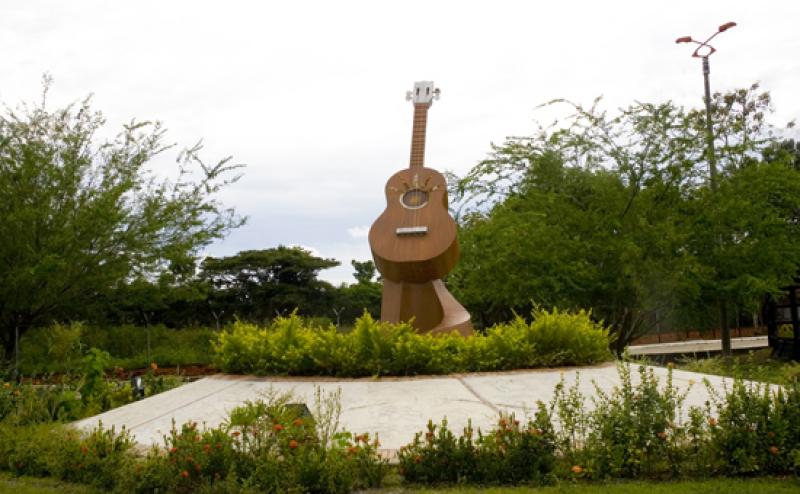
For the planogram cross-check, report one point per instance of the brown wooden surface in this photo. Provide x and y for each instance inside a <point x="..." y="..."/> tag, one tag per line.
<point x="416" y="258"/>
<point x="418" y="135"/>
<point x="430" y="305"/>
<point x="455" y="317"/>
<point x="412" y="265"/>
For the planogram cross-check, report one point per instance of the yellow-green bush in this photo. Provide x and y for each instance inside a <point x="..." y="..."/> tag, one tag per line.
<point x="288" y="346"/>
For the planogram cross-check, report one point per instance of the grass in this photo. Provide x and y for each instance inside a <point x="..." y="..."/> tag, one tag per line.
<point x="712" y="486"/>
<point x="29" y="485"/>
<point x="756" y="365"/>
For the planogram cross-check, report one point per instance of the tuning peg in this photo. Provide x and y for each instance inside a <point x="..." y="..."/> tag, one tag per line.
<point x="437" y="93"/>
<point x="409" y="95"/>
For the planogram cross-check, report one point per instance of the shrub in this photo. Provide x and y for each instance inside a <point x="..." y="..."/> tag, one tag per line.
<point x="26" y="404"/>
<point x="268" y="447"/>
<point x="100" y="458"/>
<point x="374" y="348"/>
<point x="641" y="430"/>
<point x="191" y="458"/>
<point x="757" y="429"/>
<point x="510" y="453"/>
<point x="59" y="348"/>
<point x="265" y="447"/>
<point x="636" y="430"/>
<point x="755" y="365"/>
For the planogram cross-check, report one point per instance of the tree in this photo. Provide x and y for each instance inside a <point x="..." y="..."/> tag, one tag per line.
<point x="261" y="284"/>
<point x="364" y="270"/>
<point x="82" y="215"/>
<point x="786" y="151"/>
<point x="614" y="213"/>
<point x="364" y="295"/>
<point x="568" y="237"/>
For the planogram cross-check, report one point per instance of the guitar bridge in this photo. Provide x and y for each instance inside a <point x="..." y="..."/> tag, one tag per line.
<point x="405" y="231"/>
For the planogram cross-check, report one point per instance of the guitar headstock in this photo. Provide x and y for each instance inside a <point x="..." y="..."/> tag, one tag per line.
<point x="423" y="93"/>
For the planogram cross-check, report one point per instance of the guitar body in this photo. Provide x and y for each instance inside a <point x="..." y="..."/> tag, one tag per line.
<point x="414" y="239"/>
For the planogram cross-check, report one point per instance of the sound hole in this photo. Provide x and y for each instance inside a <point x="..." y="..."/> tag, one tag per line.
<point x="414" y="199"/>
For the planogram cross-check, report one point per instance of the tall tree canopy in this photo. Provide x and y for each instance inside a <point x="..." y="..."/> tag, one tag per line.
<point x="259" y="284"/>
<point x="81" y="215"/>
<point x="614" y="213"/>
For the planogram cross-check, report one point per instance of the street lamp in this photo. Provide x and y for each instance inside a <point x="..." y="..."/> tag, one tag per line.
<point x="705" y="50"/>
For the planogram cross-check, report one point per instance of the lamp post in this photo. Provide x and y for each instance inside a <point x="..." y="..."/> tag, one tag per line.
<point x="703" y="51"/>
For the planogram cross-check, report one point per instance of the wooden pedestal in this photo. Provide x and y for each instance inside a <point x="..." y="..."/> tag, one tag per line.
<point x="433" y="308"/>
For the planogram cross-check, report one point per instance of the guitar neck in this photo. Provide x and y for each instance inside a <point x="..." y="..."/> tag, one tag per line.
<point x="418" y="135"/>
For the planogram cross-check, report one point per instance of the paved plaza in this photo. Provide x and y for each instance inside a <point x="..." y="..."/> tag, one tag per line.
<point x="393" y="407"/>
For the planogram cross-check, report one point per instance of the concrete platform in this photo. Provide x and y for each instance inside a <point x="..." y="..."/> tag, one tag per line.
<point x="698" y="346"/>
<point x="395" y="408"/>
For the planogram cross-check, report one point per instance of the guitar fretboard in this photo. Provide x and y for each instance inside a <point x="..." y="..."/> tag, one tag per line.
<point x="418" y="135"/>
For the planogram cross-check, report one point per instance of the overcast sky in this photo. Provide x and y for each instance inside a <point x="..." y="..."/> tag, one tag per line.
<point x="310" y="94"/>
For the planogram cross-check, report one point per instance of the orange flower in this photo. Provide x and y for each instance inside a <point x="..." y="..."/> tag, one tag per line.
<point x="417" y="459"/>
<point x="84" y="449"/>
<point x="173" y="449"/>
<point x="577" y="469"/>
<point x="298" y="422"/>
<point x="712" y="422"/>
<point x="235" y="433"/>
<point x="277" y="427"/>
<point x="293" y="444"/>
<point x="206" y="448"/>
<point x="662" y="435"/>
<point x="774" y="450"/>
<point x="771" y="434"/>
<point x="197" y="467"/>
<point x="352" y="450"/>
<point x="185" y="474"/>
<point x="153" y="365"/>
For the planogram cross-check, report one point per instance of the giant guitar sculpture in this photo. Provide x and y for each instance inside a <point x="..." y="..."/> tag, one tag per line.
<point x="414" y="240"/>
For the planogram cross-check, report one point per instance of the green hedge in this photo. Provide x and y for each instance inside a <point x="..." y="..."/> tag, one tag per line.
<point x="289" y="346"/>
<point x="60" y="348"/>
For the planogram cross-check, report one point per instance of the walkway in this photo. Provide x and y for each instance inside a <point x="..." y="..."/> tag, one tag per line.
<point x="698" y="346"/>
<point x="395" y="408"/>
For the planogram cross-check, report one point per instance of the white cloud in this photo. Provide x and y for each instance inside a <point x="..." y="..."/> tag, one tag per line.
<point x="358" y="231"/>
<point x="311" y="250"/>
